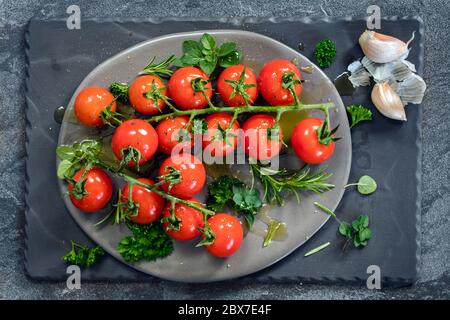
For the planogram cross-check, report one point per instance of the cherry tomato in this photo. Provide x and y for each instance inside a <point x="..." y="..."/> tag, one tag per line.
<point x="215" y="141"/>
<point x="190" y="221"/>
<point x="306" y="143"/>
<point x="270" y="82"/>
<point x="173" y="132"/>
<point x="142" y="94"/>
<point x="190" y="172"/>
<point x="260" y="142"/>
<point x="138" y="134"/>
<point x="181" y="91"/>
<point x="150" y="204"/>
<point x="225" y="89"/>
<point x="229" y="235"/>
<point x="89" y="104"/>
<point x="99" y="189"/>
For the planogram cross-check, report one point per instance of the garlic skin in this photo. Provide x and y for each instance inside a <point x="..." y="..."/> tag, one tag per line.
<point x="388" y="102"/>
<point x="381" y="48"/>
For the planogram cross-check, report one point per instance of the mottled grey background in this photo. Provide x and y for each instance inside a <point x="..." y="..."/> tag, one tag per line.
<point x="434" y="277"/>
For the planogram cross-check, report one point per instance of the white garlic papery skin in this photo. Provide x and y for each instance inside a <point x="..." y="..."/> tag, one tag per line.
<point x="381" y="48"/>
<point x="388" y="102"/>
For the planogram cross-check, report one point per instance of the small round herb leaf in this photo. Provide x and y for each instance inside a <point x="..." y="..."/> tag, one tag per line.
<point x="367" y="185"/>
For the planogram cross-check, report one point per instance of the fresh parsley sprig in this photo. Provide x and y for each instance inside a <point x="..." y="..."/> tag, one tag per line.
<point x="207" y="55"/>
<point x="230" y="191"/>
<point x="83" y="255"/>
<point x="147" y="242"/>
<point x="358" y="113"/>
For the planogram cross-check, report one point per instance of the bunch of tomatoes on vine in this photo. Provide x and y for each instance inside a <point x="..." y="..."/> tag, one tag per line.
<point x="171" y="108"/>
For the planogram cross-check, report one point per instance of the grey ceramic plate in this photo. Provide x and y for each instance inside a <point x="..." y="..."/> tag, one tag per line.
<point x="187" y="263"/>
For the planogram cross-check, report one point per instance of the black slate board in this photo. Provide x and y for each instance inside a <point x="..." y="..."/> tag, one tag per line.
<point x="58" y="59"/>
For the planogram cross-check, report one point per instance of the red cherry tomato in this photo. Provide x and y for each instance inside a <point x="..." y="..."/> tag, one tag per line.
<point x="181" y="91"/>
<point x="225" y="89"/>
<point x="229" y="235"/>
<point x="306" y="143"/>
<point x="190" y="221"/>
<point x="171" y="133"/>
<point x="216" y="142"/>
<point x="190" y="171"/>
<point x="89" y="104"/>
<point x="260" y="142"/>
<point x="150" y="203"/>
<point x="99" y="189"/>
<point x="138" y="134"/>
<point x="140" y="94"/>
<point x="270" y="82"/>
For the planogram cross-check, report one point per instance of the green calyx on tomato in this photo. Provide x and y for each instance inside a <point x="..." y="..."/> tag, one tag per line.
<point x="110" y="117"/>
<point x="172" y="177"/>
<point x="130" y="155"/>
<point x="125" y="209"/>
<point x="208" y="236"/>
<point x="289" y="81"/>
<point x="325" y="135"/>
<point x="240" y="87"/>
<point x="157" y="94"/>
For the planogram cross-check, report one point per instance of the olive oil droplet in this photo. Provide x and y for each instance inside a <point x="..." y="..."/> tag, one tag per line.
<point x="58" y="115"/>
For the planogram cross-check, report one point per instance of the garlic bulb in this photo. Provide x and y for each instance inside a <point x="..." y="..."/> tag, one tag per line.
<point x="382" y="48"/>
<point x="388" y="102"/>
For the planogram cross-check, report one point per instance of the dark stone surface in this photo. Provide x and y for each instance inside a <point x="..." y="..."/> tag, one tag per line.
<point x="434" y="275"/>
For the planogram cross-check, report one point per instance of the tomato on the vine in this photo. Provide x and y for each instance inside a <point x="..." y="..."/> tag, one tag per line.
<point x="187" y="220"/>
<point x="173" y="132"/>
<point x="273" y="79"/>
<point x="184" y="174"/>
<point x="90" y="103"/>
<point x="228" y="235"/>
<point x="150" y="204"/>
<point x="220" y="139"/>
<point x="261" y="140"/>
<point x="307" y="144"/>
<point x="145" y="94"/>
<point x="135" y="139"/>
<point x="233" y="80"/>
<point x="94" y="193"/>
<point x="181" y="89"/>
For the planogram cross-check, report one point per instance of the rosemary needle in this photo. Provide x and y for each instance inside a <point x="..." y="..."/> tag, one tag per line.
<point x="315" y="250"/>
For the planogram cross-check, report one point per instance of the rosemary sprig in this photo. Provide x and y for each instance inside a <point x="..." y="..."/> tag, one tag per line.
<point x="159" y="69"/>
<point x="276" y="182"/>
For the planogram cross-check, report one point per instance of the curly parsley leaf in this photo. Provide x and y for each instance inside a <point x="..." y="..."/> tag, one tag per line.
<point x="358" y="113"/>
<point x="207" y="55"/>
<point x="240" y="198"/>
<point x="325" y="53"/>
<point x="147" y="242"/>
<point x="83" y="255"/>
<point x="119" y="91"/>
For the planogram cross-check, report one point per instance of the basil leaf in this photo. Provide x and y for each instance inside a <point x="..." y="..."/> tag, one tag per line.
<point x="193" y="48"/>
<point x="207" y="66"/>
<point x="208" y="41"/>
<point x="65" y="152"/>
<point x="63" y="168"/>
<point x="188" y="60"/>
<point x="230" y="59"/>
<point x="226" y="48"/>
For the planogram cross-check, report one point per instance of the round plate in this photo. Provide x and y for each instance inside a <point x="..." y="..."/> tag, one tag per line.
<point x="187" y="263"/>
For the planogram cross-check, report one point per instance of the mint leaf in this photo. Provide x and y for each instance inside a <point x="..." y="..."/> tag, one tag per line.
<point x="226" y="48"/>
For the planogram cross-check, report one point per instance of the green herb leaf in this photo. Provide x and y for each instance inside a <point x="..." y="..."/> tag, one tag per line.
<point x="147" y="242"/>
<point x="271" y="232"/>
<point x="208" y="41"/>
<point x="226" y="48"/>
<point x="83" y="255"/>
<point x="65" y="152"/>
<point x="358" y="113"/>
<point x="367" y="185"/>
<point x="64" y="168"/>
<point x="119" y="91"/>
<point x="208" y="66"/>
<point x="230" y="59"/>
<point x="192" y="48"/>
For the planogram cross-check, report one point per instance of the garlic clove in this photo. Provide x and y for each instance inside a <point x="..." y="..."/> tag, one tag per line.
<point x="381" y="48"/>
<point x="388" y="102"/>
